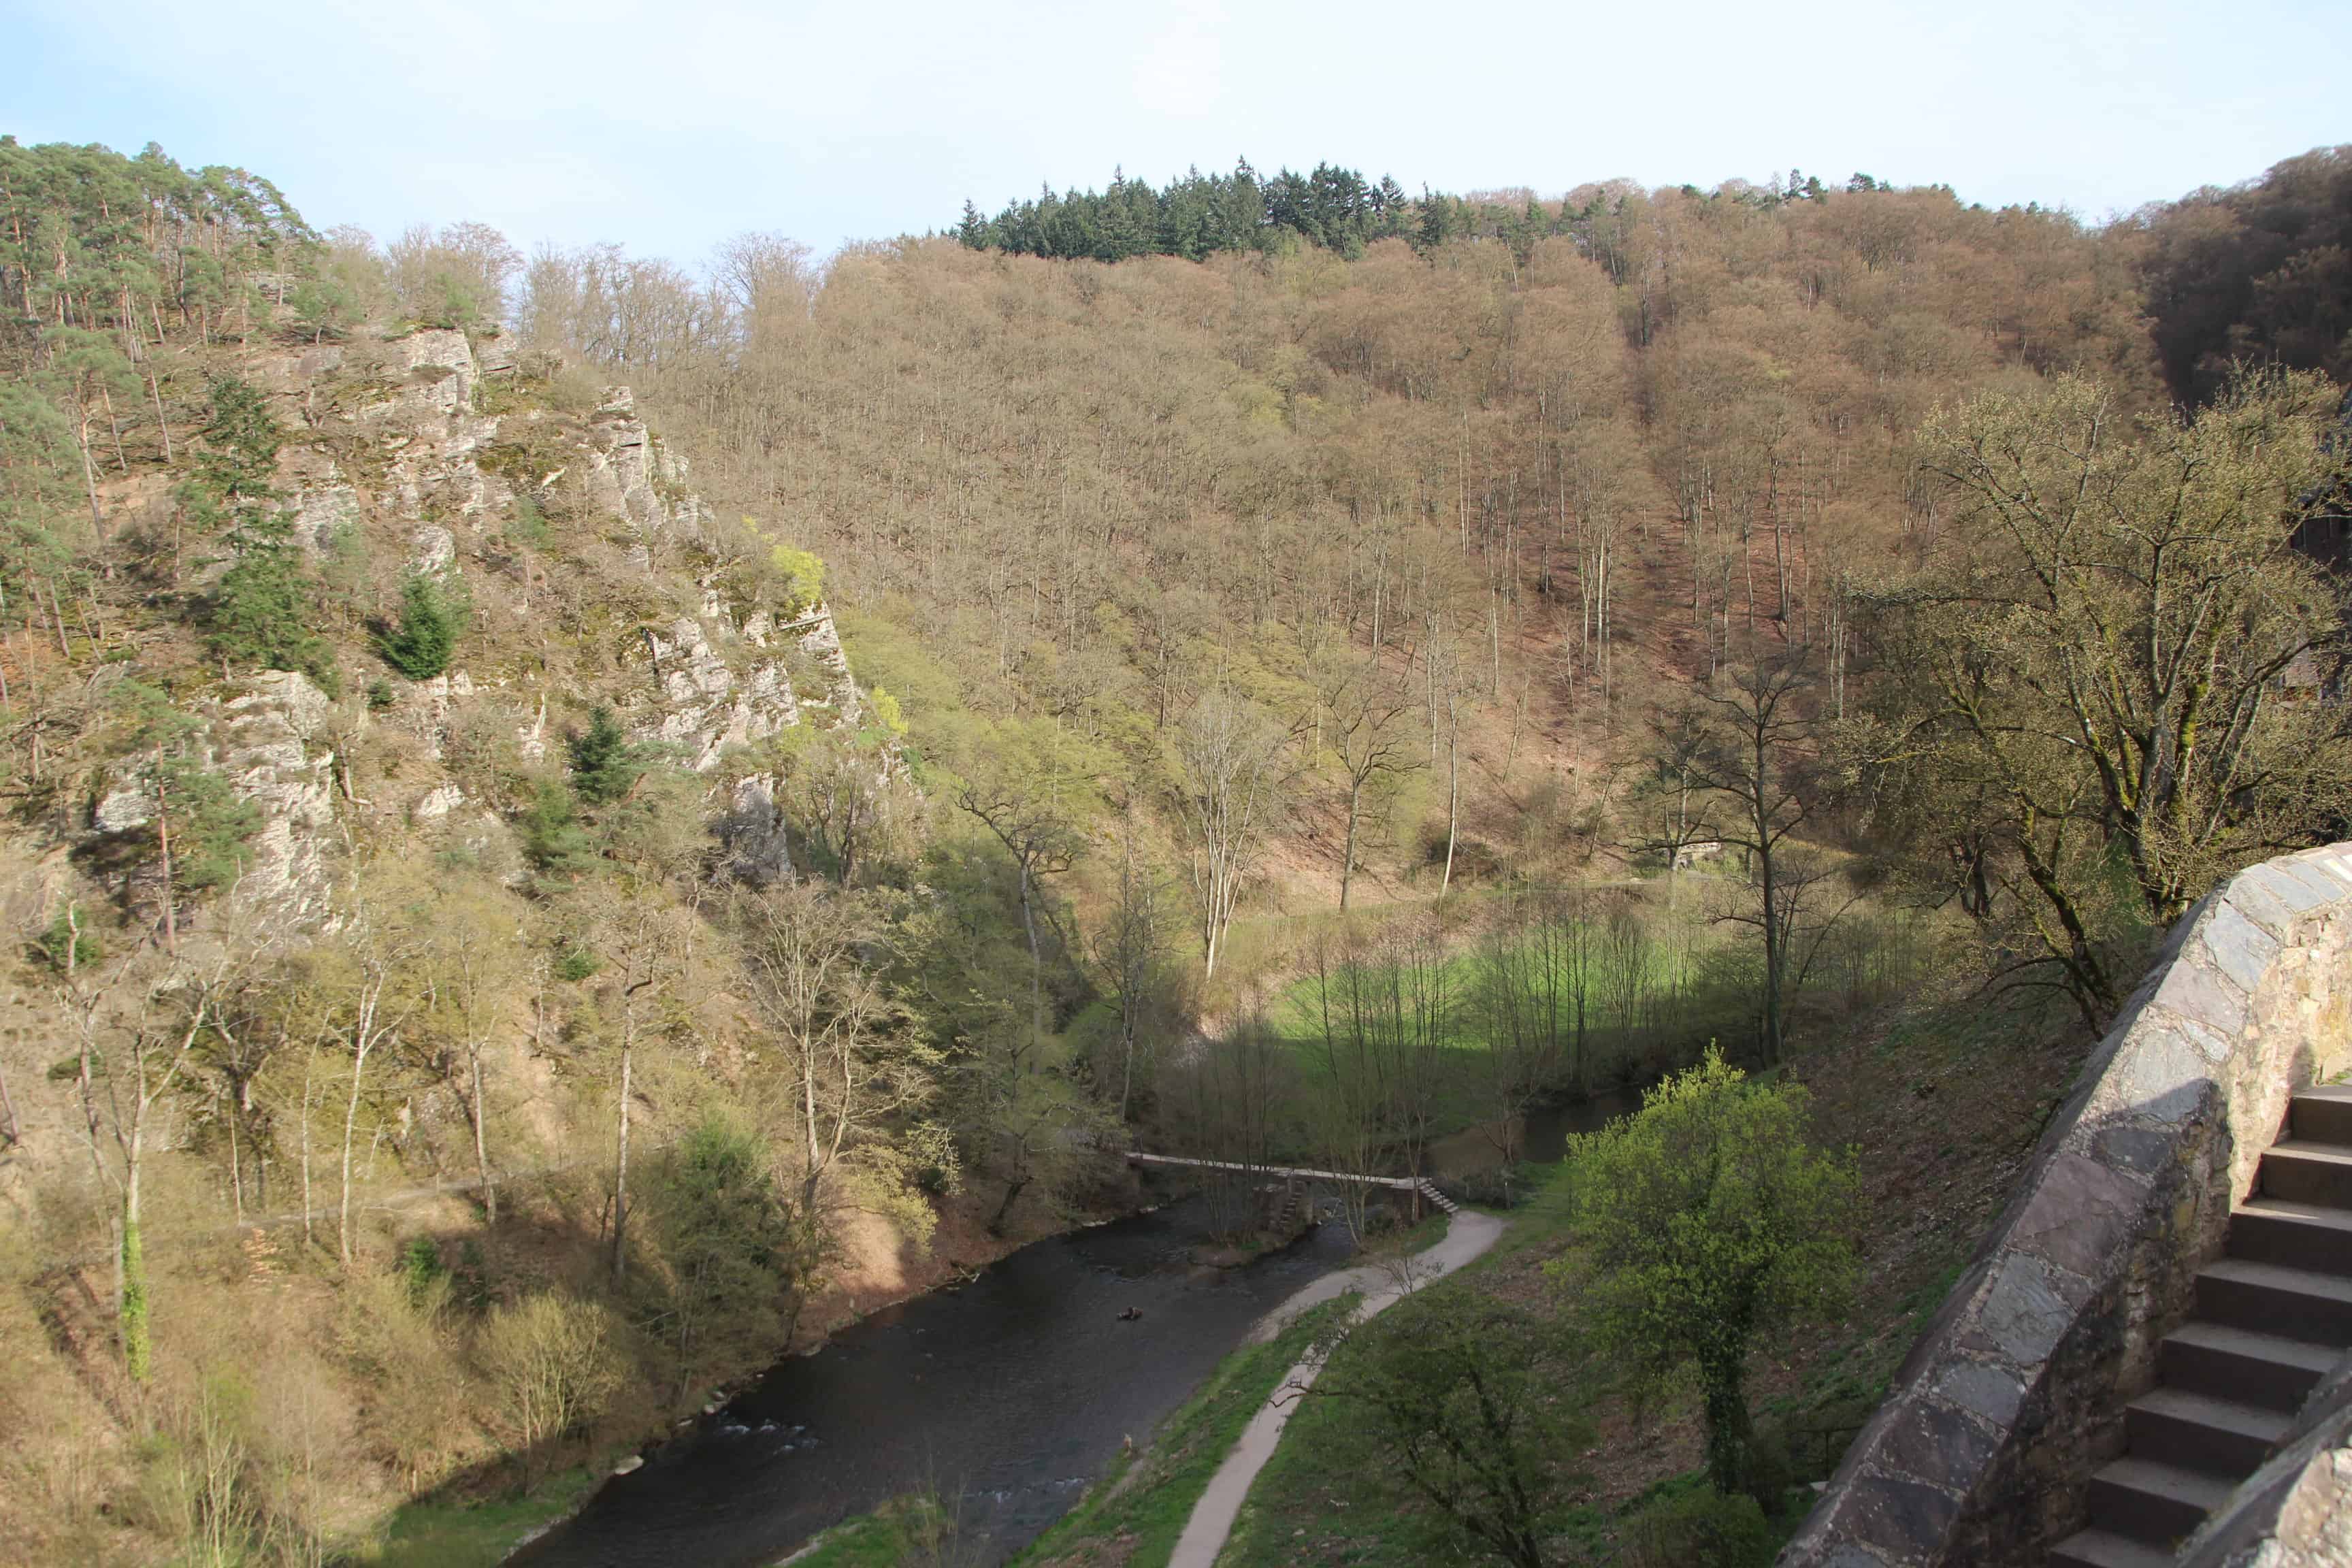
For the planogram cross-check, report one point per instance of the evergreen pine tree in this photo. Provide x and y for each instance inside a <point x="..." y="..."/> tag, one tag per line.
<point x="259" y="612"/>
<point x="975" y="230"/>
<point x="603" y="764"/>
<point x="431" y="621"/>
<point x="550" y="832"/>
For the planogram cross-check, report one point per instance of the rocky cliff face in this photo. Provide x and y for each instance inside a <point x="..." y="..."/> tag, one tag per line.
<point x="722" y="684"/>
<point x="427" y="444"/>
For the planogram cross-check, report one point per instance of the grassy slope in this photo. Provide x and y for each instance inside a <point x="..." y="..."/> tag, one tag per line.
<point x="433" y="1534"/>
<point x="1318" y="1501"/>
<point x="1134" y="1516"/>
<point x="1942" y="1106"/>
<point x="1296" y="1013"/>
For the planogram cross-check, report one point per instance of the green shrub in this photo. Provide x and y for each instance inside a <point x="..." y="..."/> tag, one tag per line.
<point x="67" y="943"/>
<point x="211" y="824"/>
<point x="421" y="1267"/>
<point x="529" y="524"/>
<point x="432" y="619"/>
<point x="324" y="308"/>
<point x="724" y="1237"/>
<point x="258" y="614"/>
<point x="1710" y="1223"/>
<point x="1700" y="1528"/>
<point x="802" y="574"/>
<point x="551" y="836"/>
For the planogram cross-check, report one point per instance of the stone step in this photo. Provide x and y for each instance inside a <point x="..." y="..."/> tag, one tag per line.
<point x="2236" y="1363"/>
<point x="2302" y="1171"/>
<point x="2152" y="1503"/>
<point x="2098" y="1549"/>
<point x="2300" y="1235"/>
<point x="2270" y="1299"/>
<point x="2322" y="1113"/>
<point x="2199" y="1432"/>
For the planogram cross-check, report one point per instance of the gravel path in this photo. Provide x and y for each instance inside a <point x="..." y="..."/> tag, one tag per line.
<point x="1467" y="1235"/>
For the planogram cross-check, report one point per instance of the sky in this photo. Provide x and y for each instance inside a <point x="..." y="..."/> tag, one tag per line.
<point x="669" y="127"/>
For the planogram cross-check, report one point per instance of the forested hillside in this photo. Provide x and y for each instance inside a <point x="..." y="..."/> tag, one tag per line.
<point x="573" y="823"/>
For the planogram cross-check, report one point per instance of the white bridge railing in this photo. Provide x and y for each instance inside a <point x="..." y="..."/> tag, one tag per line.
<point x="1291" y="1173"/>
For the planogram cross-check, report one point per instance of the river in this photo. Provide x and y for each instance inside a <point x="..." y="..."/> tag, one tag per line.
<point x="1011" y="1393"/>
<point x="1007" y="1396"/>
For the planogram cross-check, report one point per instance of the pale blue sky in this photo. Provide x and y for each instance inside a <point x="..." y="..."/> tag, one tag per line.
<point x="668" y="127"/>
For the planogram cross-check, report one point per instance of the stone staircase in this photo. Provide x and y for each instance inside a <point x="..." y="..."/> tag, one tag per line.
<point x="2272" y="1315"/>
<point x="1288" y="1201"/>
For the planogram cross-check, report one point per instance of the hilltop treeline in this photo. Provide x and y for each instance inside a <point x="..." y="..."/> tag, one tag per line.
<point x="91" y="239"/>
<point x="1198" y="215"/>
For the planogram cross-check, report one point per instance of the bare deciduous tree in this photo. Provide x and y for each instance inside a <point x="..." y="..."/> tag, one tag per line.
<point x="1751" y="746"/>
<point x="1365" y="734"/>
<point x="1229" y="761"/>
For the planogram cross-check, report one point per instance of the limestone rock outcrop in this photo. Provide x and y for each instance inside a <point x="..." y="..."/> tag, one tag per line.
<point x="722" y="685"/>
<point x="633" y="475"/>
<point x="269" y="742"/>
<point x="412" y="455"/>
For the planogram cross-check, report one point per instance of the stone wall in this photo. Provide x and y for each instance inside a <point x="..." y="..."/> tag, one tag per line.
<point x="2014" y="1394"/>
<point x="2296" y="1511"/>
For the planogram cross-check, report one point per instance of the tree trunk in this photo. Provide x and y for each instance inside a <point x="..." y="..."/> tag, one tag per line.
<point x="89" y="480"/>
<point x="1771" y="920"/>
<point x="137" y="1348"/>
<point x="1036" y="963"/>
<point x="481" y="1144"/>
<point x="1012" y="1190"/>
<point x="57" y="620"/>
<point x="310" y="1061"/>
<point x="164" y="845"/>
<point x="1348" y="857"/>
<point x="1453" y="797"/>
<point x="351" y="1121"/>
<point x="1126" y="1073"/>
<point x="115" y="425"/>
<point x="162" y="424"/>
<point x="1726" y="1399"/>
<point x="236" y="1162"/>
<point x="621" y="1171"/>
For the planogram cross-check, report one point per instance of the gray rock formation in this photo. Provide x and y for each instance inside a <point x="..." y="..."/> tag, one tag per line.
<point x="437" y="802"/>
<point x="268" y="741"/>
<point x="754" y="835"/>
<point x="822" y="643"/>
<point x="708" y="705"/>
<point x="325" y="510"/>
<point x="432" y="550"/>
<point x="494" y="352"/>
<point x="629" y="470"/>
<point x="412" y="403"/>
<point x="439" y="366"/>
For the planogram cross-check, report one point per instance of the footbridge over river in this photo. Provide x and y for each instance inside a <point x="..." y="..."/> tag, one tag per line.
<point x="1418" y="1187"/>
<point x="2148" y="1362"/>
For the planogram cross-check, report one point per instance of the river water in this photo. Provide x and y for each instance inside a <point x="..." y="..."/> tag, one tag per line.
<point x="1007" y="1396"/>
<point x="1010" y="1393"/>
